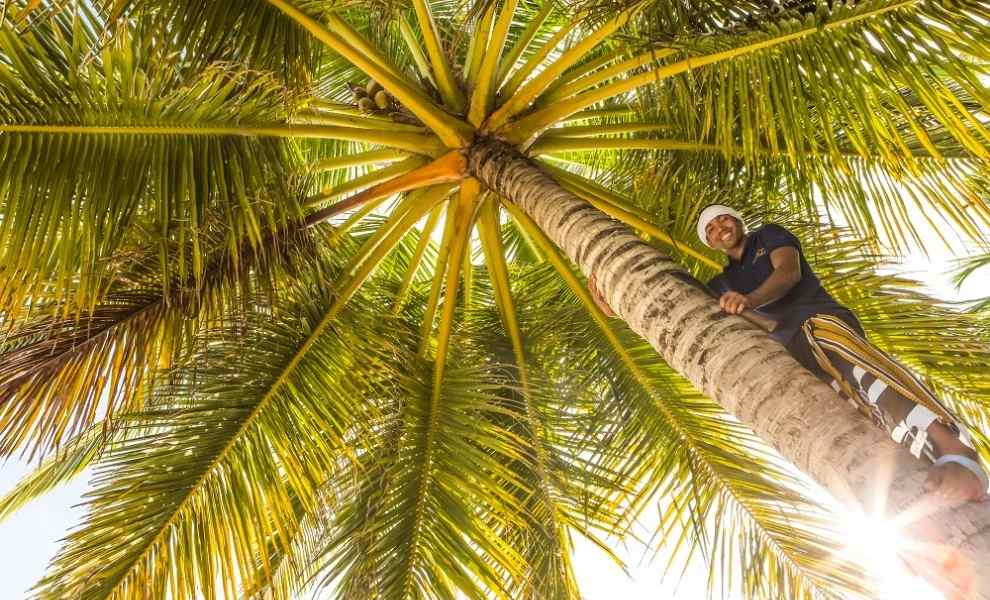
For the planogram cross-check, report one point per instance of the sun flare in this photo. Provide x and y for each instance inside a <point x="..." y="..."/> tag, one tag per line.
<point x="875" y="540"/>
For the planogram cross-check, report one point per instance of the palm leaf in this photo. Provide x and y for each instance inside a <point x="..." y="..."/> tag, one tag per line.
<point x="256" y="34"/>
<point x="71" y="202"/>
<point x="73" y="458"/>
<point x="412" y="525"/>
<point x="101" y="358"/>
<point x="224" y="415"/>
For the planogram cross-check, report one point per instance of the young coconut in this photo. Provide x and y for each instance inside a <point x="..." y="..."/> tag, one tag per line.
<point x="357" y="91"/>
<point x="366" y="104"/>
<point x="381" y="99"/>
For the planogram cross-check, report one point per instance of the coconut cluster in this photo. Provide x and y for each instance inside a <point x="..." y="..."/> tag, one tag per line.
<point x="371" y="97"/>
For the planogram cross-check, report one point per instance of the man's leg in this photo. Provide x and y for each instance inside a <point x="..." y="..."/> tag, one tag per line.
<point x="926" y="435"/>
<point x="909" y="423"/>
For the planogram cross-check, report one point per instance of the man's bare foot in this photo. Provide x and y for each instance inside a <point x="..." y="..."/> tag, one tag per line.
<point x="954" y="484"/>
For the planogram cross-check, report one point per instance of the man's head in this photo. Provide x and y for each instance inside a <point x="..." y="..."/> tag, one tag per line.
<point x="721" y="227"/>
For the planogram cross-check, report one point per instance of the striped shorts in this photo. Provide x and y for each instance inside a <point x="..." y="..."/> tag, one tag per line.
<point x="862" y="373"/>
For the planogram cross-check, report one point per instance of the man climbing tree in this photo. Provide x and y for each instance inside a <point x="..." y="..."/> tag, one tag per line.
<point x="767" y="273"/>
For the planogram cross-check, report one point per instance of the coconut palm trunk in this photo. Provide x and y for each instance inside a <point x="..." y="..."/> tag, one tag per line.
<point x="752" y="376"/>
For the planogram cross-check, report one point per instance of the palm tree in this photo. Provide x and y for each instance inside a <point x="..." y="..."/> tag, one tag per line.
<point x="302" y="279"/>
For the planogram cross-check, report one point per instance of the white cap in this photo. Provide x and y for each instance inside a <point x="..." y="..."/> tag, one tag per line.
<point x="709" y="213"/>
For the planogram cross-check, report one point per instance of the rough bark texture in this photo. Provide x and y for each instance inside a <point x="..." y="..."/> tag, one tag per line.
<point x="751" y="376"/>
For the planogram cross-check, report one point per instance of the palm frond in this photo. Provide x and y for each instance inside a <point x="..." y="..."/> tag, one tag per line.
<point x="65" y="367"/>
<point x="415" y="525"/>
<point x="256" y="35"/>
<point x="878" y="200"/>
<point x="72" y="459"/>
<point x="522" y="38"/>
<point x="545" y="544"/>
<point x="283" y="416"/>
<point x="781" y="44"/>
<point x="965" y="270"/>
<point x="287" y="569"/>
<point x="71" y="202"/>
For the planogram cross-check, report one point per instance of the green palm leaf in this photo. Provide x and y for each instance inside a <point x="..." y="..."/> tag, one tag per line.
<point x="264" y="39"/>
<point x="72" y="201"/>
<point x="73" y="458"/>
<point x="60" y="372"/>
<point x="413" y="525"/>
<point x="211" y="422"/>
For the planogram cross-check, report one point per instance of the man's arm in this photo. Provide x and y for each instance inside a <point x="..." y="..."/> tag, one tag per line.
<point x="786" y="274"/>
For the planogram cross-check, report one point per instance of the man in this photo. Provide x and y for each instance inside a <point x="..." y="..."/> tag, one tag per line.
<point x="767" y="273"/>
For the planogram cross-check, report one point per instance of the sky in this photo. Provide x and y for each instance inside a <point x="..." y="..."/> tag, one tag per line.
<point x="30" y="538"/>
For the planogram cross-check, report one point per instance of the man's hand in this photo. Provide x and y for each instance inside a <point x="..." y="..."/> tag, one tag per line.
<point x="734" y="303"/>
<point x="596" y="295"/>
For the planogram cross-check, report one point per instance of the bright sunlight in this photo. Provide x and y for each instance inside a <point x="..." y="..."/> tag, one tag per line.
<point x="874" y="541"/>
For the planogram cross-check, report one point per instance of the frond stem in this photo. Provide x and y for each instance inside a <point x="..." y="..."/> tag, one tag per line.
<point x="462" y="217"/>
<point x="417" y="257"/>
<point x="511" y="86"/>
<point x="525" y="39"/>
<point x="450" y="91"/>
<point x="446" y="169"/>
<point x="567" y="140"/>
<point x="360" y="121"/>
<point x="368" y="179"/>
<point x="452" y="131"/>
<point x="489" y="233"/>
<point x="484" y="93"/>
<point x="415" y="50"/>
<point x="593" y="79"/>
<point x="600" y="113"/>
<point x="536" y="86"/>
<point x="359" y="159"/>
<point x="477" y="43"/>
<point x="550" y="144"/>
<point x="579" y="71"/>
<point x="412" y="142"/>
<point x="580" y="131"/>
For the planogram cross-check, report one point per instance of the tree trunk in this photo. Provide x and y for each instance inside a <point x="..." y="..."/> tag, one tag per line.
<point x="753" y="377"/>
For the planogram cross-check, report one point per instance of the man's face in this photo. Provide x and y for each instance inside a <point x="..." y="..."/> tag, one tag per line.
<point x="724" y="232"/>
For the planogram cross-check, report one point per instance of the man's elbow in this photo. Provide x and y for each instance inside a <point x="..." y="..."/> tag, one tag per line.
<point x="792" y="276"/>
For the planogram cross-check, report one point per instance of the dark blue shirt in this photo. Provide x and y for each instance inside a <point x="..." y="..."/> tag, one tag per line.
<point x="806" y="299"/>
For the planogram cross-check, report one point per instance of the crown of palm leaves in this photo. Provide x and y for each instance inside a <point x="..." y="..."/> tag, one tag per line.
<point x="246" y="275"/>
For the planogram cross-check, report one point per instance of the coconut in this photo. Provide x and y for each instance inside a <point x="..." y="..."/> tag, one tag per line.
<point x="381" y="99"/>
